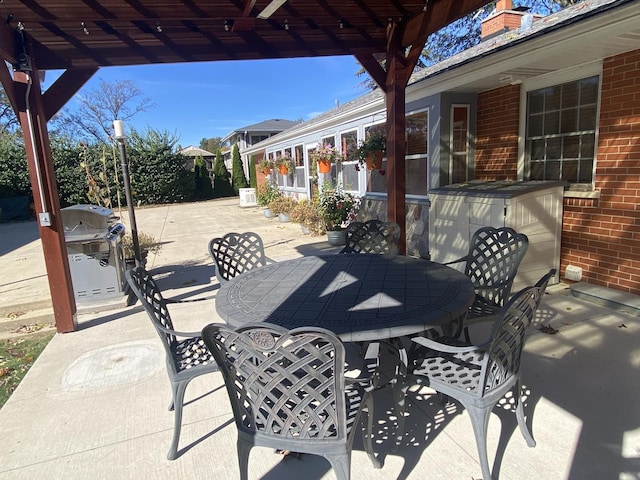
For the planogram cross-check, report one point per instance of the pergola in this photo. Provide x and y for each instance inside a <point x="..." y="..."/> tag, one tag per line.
<point x="81" y="36"/>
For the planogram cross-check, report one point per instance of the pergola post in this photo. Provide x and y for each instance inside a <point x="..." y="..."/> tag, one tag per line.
<point x="45" y="195"/>
<point x="396" y="142"/>
<point x="404" y="45"/>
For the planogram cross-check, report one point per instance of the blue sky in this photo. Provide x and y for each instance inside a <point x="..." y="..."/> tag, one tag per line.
<point x="203" y="100"/>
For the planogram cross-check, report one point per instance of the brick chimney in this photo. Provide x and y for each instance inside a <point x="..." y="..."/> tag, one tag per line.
<point x="503" y="19"/>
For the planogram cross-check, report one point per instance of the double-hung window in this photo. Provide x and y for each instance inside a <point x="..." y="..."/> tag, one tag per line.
<point x="560" y="133"/>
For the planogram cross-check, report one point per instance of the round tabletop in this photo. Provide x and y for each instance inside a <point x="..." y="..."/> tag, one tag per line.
<point x="360" y="297"/>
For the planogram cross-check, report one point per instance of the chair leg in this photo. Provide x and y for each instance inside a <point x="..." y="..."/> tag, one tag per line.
<point x="400" y="390"/>
<point x="368" y="440"/>
<point x="178" y="399"/>
<point x="243" y="458"/>
<point x="524" y="429"/>
<point x="341" y="464"/>
<point x="480" y="422"/>
<point x="466" y="336"/>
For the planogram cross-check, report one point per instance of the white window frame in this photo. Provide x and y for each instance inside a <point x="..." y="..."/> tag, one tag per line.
<point x="552" y="79"/>
<point x="419" y="156"/>
<point x="467" y="149"/>
<point x="364" y="173"/>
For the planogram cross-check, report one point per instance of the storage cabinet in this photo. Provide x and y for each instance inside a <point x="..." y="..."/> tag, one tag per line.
<point x="533" y="208"/>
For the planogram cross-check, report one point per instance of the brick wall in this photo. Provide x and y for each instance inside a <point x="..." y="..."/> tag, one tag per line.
<point x="603" y="236"/>
<point x="600" y="235"/>
<point x="497" y="134"/>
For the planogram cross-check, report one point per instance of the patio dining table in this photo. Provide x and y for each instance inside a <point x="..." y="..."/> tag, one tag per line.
<point x="360" y="297"/>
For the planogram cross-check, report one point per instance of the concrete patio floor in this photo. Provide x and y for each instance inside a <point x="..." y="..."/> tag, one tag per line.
<point x="94" y="405"/>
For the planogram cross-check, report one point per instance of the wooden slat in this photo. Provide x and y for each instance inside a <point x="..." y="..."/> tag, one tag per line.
<point x="193" y="31"/>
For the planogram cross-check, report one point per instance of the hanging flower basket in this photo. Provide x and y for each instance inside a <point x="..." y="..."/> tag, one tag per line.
<point x="324" y="166"/>
<point x="284" y="163"/>
<point x="374" y="160"/>
<point x="265" y="167"/>
<point x="326" y="154"/>
<point x="370" y="151"/>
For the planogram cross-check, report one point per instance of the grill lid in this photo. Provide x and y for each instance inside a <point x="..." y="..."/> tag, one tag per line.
<point x="86" y="222"/>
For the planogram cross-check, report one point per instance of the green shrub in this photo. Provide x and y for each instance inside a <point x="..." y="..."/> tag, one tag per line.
<point x="307" y="213"/>
<point x="267" y="192"/>
<point x="14" y="172"/>
<point x="282" y="204"/>
<point x="146" y="242"/>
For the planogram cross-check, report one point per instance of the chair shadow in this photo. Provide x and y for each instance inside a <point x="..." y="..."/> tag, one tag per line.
<point x="193" y="444"/>
<point x="183" y="275"/>
<point x="426" y="416"/>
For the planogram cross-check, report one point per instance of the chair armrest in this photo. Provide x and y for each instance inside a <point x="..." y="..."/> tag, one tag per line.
<point x="462" y="259"/>
<point x="187" y="300"/>
<point x="176" y="333"/>
<point x="442" y="347"/>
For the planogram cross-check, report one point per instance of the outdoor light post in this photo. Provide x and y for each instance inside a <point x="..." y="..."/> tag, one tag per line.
<point x="118" y="128"/>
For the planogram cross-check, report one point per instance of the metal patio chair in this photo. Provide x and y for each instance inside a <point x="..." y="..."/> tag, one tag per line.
<point x="235" y="253"/>
<point x="186" y="354"/>
<point x="479" y="376"/>
<point x="372" y="236"/>
<point x="288" y="391"/>
<point x="492" y="264"/>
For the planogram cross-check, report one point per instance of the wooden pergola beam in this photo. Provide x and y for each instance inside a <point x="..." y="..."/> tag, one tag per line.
<point x="65" y="87"/>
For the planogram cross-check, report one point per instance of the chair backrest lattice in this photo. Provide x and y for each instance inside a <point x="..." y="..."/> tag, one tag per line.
<point x="493" y="260"/>
<point x="236" y="253"/>
<point x="372" y="236"/>
<point x="503" y="358"/>
<point x="283" y="383"/>
<point x="147" y="291"/>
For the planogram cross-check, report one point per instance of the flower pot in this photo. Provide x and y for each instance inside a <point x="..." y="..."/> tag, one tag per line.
<point x="374" y="160"/>
<point x="284" y="170"/>
<point x="324" y="166"/>
<point x="283" y="217"/>
<point x="336" y="237"/>
<point x="268" y="213"/>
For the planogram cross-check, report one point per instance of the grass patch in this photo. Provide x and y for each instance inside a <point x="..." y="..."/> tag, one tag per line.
<point x="16" y="357"/>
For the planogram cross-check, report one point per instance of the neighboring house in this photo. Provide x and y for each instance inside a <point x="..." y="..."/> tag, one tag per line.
<point x="557" y="98"/>
<point x="192" y="153"/>
<point x="250" y="135"/>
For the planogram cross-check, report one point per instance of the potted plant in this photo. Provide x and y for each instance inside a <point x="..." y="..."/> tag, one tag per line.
<point x="146" y="242"/>
<point x="371" y="150"/>
<point x="265" y="166"/>
<point x="282" y="206"/>
<point x="284" y="163"/>
<point x="307" y="214"/>
<point x="267" y="192"/>
<point x="337" y="207"/>
<point x="325" y="154"/>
